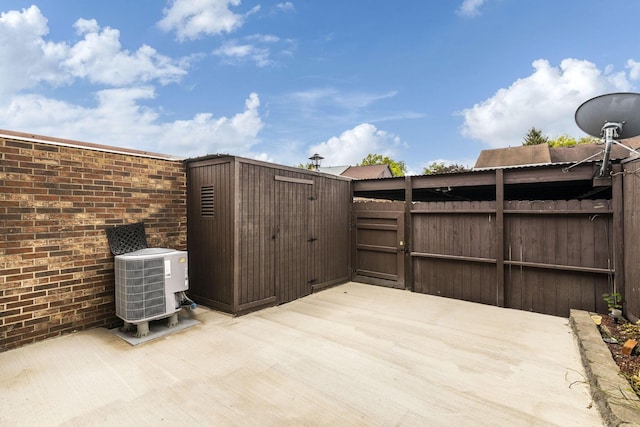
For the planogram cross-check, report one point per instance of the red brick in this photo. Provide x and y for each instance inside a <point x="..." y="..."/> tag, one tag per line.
<point x="11" y="342"/>
<point x="21" y="330"/>
<point x="19" y="304"/>
<point x="32" y="307"/>
<point x="37" y="320"/>
<point x="17" y="319"/>
<point x="19" y="277"/>
<point x="32" y="295"/>
<point x="34" y="268"/>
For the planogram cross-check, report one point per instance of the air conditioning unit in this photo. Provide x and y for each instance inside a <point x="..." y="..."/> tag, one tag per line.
<point x="151" y="284"/>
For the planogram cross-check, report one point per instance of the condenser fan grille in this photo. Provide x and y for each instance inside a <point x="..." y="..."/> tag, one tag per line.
<point x="140" y="288"/>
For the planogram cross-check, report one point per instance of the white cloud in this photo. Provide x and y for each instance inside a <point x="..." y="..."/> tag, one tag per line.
<point x="321" y="103"/>
<point x="341" y="98"/>
<point x="205" y="134"/>
<point x="99" y="57"/>
<point x="193" y="19"/>
<point x="286" y="6"/>
<point x="112" y="121"/>
<point x="470" y="7"/>
<point x="118" y="119"/>
<point x="27" y="59"/>
<point x="353" y="145"/>
<point x="547" y="100"/>
<point x="234" y="51"/>
<point x="634" y="69"/>
<point x="256" y="48"/>
<point x="118" y="116"/>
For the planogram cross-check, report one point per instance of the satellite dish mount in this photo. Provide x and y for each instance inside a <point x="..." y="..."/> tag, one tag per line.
<point x="610" y="131"/>
<point x="594" y="115"/>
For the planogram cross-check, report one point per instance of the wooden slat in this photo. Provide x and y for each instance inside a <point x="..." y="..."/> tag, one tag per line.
<point x="559" y="212"/>
<point x="377" y="274"/>
<point x="266" y="302"/>
<point x="293" y="180"/>
<point x="376" y="248"/>
<point x="452" y="257"/>
<point x="365" y="226"/>
<point x="453" y="211"/>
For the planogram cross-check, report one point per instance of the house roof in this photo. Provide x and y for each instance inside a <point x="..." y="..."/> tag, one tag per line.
<point x="333" y="170"/>
<point x="514" y="156"/>
<point x="582" y="151"/>
<point x="359" y="172"/>
<point x="529" y="155"/>
<point x="366" y="172"/>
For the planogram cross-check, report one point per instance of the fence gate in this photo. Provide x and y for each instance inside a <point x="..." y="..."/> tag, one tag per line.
<point x="378" y="248"/>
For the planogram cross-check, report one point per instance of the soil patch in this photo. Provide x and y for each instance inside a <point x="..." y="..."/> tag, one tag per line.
<point x="615" y="335"/>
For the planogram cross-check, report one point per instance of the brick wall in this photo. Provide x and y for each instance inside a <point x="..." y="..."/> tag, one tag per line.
<point x="56" y="270"/>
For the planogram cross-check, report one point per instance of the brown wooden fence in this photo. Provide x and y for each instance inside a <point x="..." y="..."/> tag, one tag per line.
<point x="453" y="250"/>
<point x="631" y="179"/>
<point x="555" y="255"/>
<point x="546" y="256"/>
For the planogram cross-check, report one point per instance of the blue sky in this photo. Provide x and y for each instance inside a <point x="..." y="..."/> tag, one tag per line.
<point x="417" y="80"/>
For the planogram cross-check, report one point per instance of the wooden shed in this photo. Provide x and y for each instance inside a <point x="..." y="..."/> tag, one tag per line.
<point x="261" y="234"/>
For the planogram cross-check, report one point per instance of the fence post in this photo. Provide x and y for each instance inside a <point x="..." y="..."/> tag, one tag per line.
<point x="618" y="228"/>
<point x="500" y="237"/>
<point x="408" y="236"/>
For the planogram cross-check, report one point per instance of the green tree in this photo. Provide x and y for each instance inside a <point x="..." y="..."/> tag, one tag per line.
<point x="436" y="168"/>
<point x="398" y="168"/>
<point x="534" y="137"/>
<point x="569" y="141"/>
<point x="309" y="166"/>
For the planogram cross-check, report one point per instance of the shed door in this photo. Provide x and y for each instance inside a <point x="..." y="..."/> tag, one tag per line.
<point x="293" y="239"/>
<point x="379" y="246"/>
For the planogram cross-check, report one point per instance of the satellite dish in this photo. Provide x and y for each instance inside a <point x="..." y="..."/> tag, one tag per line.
<point x="621" y="109"/>
<point x="610" y="116"/>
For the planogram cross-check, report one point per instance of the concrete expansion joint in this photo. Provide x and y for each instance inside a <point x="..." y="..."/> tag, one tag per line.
<point x="617" y="402"/>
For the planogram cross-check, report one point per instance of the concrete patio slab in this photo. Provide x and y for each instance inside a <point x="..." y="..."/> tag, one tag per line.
<point x="157" y="329"/>
<point x="351" y="355"/>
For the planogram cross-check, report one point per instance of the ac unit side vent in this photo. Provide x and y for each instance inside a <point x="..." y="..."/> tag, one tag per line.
<point x="207" y="205"/>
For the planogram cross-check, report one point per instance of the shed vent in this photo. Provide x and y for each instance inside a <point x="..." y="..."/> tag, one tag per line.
<point x="207" y="201"/>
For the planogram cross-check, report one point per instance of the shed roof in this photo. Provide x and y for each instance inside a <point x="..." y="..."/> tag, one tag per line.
<point x="218" y="158"/>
